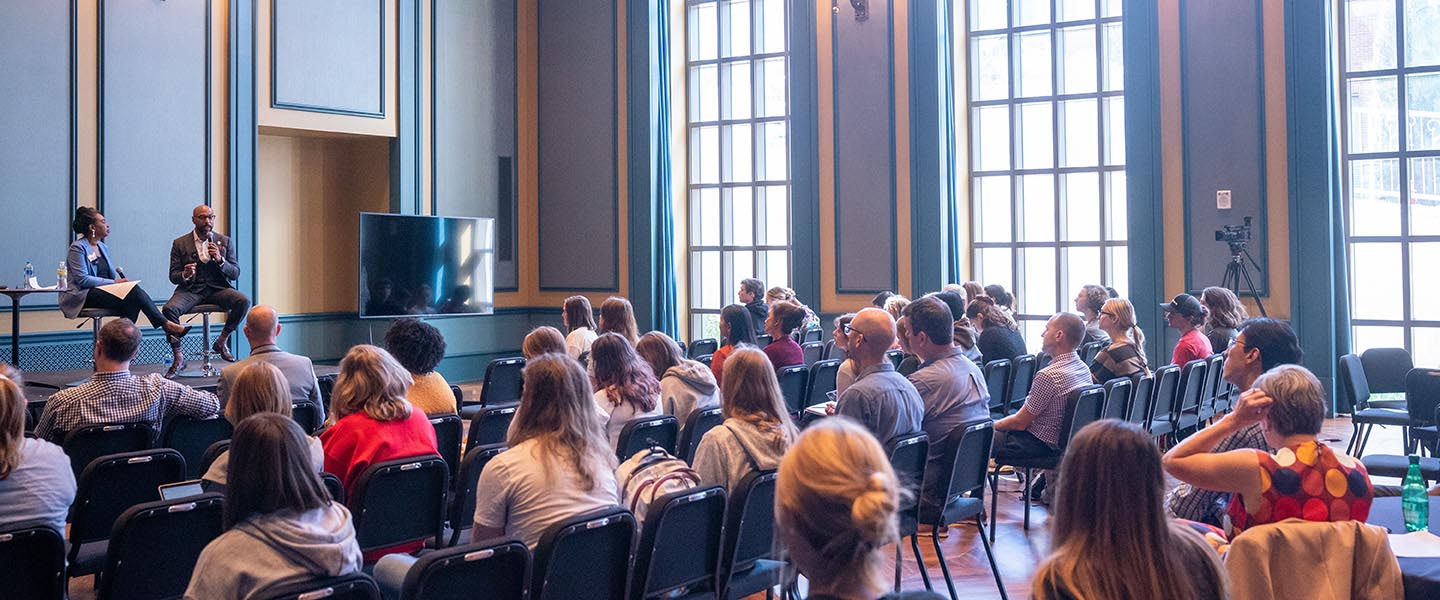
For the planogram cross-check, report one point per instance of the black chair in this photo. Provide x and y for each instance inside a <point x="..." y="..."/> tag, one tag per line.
<point x="1142" y="397"/>
<point x="1214" y="378"/>
<point x="1186" y="411"/>
<point x="489" y="426"/>
<point x="1022" y="373"/>
<point x="584" y="557"/>
<point x="503" y="384"/>
<point x="191" y="437"/>
<point x="448" y="429"/>
<point x="1042" y="360"/>
<point x="792" y="387"/>
<point x="814" y="351"/>
<point x="212" y="453"/>
<point x="1162" y="402"/>
<point x="488" y="570"/>
<point x="400" y="501"/>
<point x="907" y="457"/>
<point x="310" y="417"/>
<point x="1397" y="466"/>
<point x="1090" y="350"/>
<point x="94" y="441"/>
<point x="679" y="548"/>
<point x="333" y="485"/>
<point x="1117" y="398"/>
<point x="1386" y="370"/>
<point x="703" y="346"/>
<point x="829" y="350"/>
<point x="1082" y="407"/>
<point x="812" y="334"/>
<point x="155" y="545"/>
<point x="1353" y="385"/>
<point x="763" y="339"/>
<point x="705" y="359"/>
<point x="746" y="565"/>
<point x="32" y="563"/>
<point x="640" y="434"/>
<point x="966" y="457"/>
<point x="461" y="513"/>
<point x="1422" y="397"/>
<point x="355" y="586"/>
<point x="326" y="383"/>
<point x="821" y="381"/>
<point x="699" y="422"/>
<point x="459" y="397"/>
<point x="896" y="357"/>
<point x="108" y="487"/>
<point x="997" y="382"/>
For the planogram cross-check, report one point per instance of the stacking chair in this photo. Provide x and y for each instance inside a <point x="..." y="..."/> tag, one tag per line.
<point x="814" y="351"/>
<point x="155" y="545"/>
<point x="584" y="557"/>
<point x="327" y="387"/>
<point x="829" y="351"/>
<point x="212" y="452"/>
<point x="489" y="426"/>
<point x="822" y="381"/>
<point x="1082" y="407"/>
<point x="503" y="383"/>
<point x="1117" y="398"/>
<point x="32" y="563"/>
<point x="93" y="441"/>
<point x="812" y="334"/>
<point x="488" y="570"/>
<point x="309" y="416"/>
<point x="1397" y="465"/>
<point x="1186" y="411"/>
<point x="702" y="347"/>
<point x="1354" y="385"/>
<point x="763" y="339"/>
<point x="746" y="564"/>
<point x="447" y="440"/>
<point x="1089" y="350"/>
<point x="966" y="455"/>
<point x="461" y="509"/>
<point x="1022" y="372"/>
<point x="1386" y="370"/>
<point x="400" y="501"/>
<point x="997" y="382"/>
<point x="647" y="432"/>
<point x="333" y="487"/>
<point x="459" y="397"/>
<point x="705" y="359"/>
<point x="699" y="422"/>
<point x="907" y="458"/>
<point x="191" y="437"/>
<point x="1167" y="386"/>
<point x="792" y="387"/>
<point x="108" y="487"/>
<point x="1422" y="397"/>
<point x="1142" y="400"/>
<point x="679" y="548"/>
<point x="355" y="586"/>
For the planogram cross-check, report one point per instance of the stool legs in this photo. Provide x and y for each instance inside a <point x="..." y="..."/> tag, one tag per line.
<point x="206" y="368"/>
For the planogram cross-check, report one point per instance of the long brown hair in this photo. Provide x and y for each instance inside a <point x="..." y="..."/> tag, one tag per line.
<point x="542" y="340"/>
<point x="260" y="387"/>
<point x="660" y="352"/>
<point x="372" y="381"/>
<point x="12" y="424"/>
<point x="270" y="470"/>
<point x="578" y="313"/>
<point x="984" y="310"/>
<point x="752" y="394"/>
<point x="1226" y="311"/>
<point x="620" y="372"/>
<point x="557" y="410"/>
<point x="617" y="316"/>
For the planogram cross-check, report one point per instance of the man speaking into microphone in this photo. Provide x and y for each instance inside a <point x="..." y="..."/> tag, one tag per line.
<point x="202" y="267"/>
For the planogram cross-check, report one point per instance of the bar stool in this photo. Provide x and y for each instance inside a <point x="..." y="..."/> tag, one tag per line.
<point x="207" y="368"/>
<point x="95" y="314"/>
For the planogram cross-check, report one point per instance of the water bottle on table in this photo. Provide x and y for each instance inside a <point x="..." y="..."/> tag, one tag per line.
<point x="62" y="276"/>
<point x="1414" y="502"/>
<point x="29" y="275"/>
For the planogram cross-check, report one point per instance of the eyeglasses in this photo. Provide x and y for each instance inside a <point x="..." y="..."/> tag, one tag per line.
<point x="846" y="329"/>
<point x="1107" y="313"/>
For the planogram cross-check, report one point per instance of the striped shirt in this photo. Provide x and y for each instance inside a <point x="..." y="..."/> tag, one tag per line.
<point x="121" y="397"/>
<point x="1046" y="402"/>
<point x="1119" y="360"/>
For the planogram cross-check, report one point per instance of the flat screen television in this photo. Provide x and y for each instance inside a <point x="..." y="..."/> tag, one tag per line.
<point x="426" y="266"/>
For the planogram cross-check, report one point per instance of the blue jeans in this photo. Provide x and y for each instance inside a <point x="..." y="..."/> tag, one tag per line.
<point x="390" y="573"/>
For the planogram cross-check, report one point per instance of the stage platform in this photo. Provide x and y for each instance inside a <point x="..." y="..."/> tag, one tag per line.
<point x="44" y="383"/>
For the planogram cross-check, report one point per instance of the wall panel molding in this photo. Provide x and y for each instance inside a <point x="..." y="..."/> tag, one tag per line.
<point x="328" y="56"/>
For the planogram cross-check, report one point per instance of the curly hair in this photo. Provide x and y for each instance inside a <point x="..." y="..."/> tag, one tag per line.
<point x="418" y="345"/>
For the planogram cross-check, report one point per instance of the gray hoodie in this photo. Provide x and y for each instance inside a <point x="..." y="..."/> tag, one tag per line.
<point x="723" y="457"/>
<point x="276" y="549"/>
<point x="686" y="388"/>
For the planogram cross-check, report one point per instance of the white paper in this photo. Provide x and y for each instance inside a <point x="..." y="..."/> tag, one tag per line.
<point x="1416" y="544"/>
<point x="820" y="410"/>
<point x="119" y="290"/>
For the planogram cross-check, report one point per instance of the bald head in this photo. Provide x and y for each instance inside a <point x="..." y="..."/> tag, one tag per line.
<point x="261" y="325"/>
<point x="204" y="219"/>
<point x="1063" y="333"/>
<point x="877" y="328"/>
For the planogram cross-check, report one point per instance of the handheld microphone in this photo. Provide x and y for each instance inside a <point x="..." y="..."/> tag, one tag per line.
<point x="120" y="271"/>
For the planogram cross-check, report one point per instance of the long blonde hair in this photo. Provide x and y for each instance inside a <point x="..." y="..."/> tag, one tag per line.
<point x="12" y="423"/>
<point x="557" y="410"/>
<point x="1124" y="313"/>
<point x="752" y="394"/>
<point x="260" y="387"/>
<point x="371" y="381"/>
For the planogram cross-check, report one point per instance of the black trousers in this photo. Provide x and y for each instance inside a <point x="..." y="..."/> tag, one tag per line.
<point x="232" y="300"/>
<point x="129" y="307"/>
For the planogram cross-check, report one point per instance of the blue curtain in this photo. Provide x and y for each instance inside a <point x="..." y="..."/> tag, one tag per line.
<point x="666" y="304"/>
<point x="954" y="172"/>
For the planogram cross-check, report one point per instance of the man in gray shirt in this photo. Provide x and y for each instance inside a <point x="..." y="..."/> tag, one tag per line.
<point x="261" y="327"/>
<point x="880" y="399"/>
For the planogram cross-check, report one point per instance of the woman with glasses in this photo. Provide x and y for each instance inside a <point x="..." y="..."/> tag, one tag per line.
<point x="1125" y="356"/>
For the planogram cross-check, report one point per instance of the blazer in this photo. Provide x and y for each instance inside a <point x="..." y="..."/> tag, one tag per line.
<point x="83" y="274"/>
<point x="1306" y="559"/>
<point x="299" y="372"/>
<point x="208" y="275"/>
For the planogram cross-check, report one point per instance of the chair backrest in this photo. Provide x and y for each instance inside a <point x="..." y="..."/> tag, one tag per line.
<point x="333" y="486"/>
<point x="1117" y="398"/>
<point x="448" y="429"/>
<point x="702" y="347"/>
<point x="459" y="397"/>
<point x="94" y="441"/>
<point x="1386" y="369"/>
<point x="503" y="381"/>
<point x="907" y="457"/>
<point x="1089" y="350"/>
<point x="699" y="422"/>
<point x="1042" y="361"/>
<point x="111" y="484"/>
<point x="896" y="357"/>
<point x="965" y="460"/>
<point x="763" y="339"/>
<point x="1167" y="385"/>
<point x="811" y="334"/>
<point x="821" y="381"/>
<point x="399" y="501"/>
<point x="461" y="511"/>
<point x="490" y="426"/>
<point x="326" y="383"/>
<point x="1214" y="370"/>
<point x="584" y="557"/>
<point x="705" y="359"/>
<point x="212" y="452"/>
<point x="792" y="386"/>
<point x="355" y="586"/>
<point x="191" y="437"/>
<point x="1353" y="385"/>
<point x="640" y="434"/>
<point x="154" y="547"/>
<point x="1142" y="399"/>
<point x="680" y="545"/>
<point x="829" y="350"/>
<point x="813" y="351"/>
<point x="32" y="563"/>
<point x="487" y="570"/>
<point x="997" y="381"/>
<point x="1192" y="388"/>
<point x="1422" y="395"/>
<point x="309" y="416"/>
<point x="749" y="523"/>
<point x="1022" y="372"/>
<point x="1082" y="407"/>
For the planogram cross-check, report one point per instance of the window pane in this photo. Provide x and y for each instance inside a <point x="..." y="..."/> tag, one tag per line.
<point x="739" y="265"/>
<point x="1118" y="261"/>
<point x="735" y="80"/>
<point x="1040" y="268"/>
<point x="738" y="152"/>
<point x="1375" y="197"/>
<point x="773" y="151"/>
<point x="1422" y="33"/>
<point x="1114" y="57"/>
<point x="1422" y="110"/>
<point x="770" y="26"/>
<point x="737" y="43"/>
<point x="992" y="138"/>
<point x="775" y="268"/>
<point x="1425" y="198"/>
<point x="1114" y="131"/>
<point x="704" y="93"/>
<point x="1378" y="337"/>
<point x="1031" y="12"/>
<point x="1117" y="222"/>
<point x="702" y="28"/>
<point x="1426" y="344"/>
<point x="1110" y="8"/>
<point x="988" y="14"/>
<point x="1037" y="208"/>
<point x="705" y="154"/>
<point x="770" y="87"/>
<point x="990" y="72"/>
<point x="706" y="279"/>
<point x="992" y="209"/>
<point x="1374" y="115"/>
<point x="1081" y="208"/>
<point x="1081" y="267"/>
<point x="739" y="216"/>
<point x="773" y="228"/>
<point x="1075" y="10"/>
<point x="1036" y="133"/>
<point x="1080" y="124"/>
<point x="1370" y="34"/>
<point x="994" y="267"/>
<point x="1032" y="330"/>
<point x="1077" y="59"/>
<point x="1375" y="275"/>
<point x="705" y="217"/>
<point x="1032" y="60"/>
<point x="1424" y="286"/>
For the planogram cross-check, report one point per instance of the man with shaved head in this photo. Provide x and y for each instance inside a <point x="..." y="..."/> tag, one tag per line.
<point x="884" y="401"/>
<point x="1035" y="430"/>
<point x="261" y="327"/>
<point x="202" y="266"/>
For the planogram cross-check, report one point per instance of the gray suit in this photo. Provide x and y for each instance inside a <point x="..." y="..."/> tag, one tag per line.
<point x="298" y="371"/>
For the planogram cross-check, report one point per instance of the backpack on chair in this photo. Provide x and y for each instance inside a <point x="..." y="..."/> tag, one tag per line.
<point x="650" y="474"/>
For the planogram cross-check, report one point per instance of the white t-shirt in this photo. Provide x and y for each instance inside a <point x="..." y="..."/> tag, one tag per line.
<point x="578" y="342"/>
<point x="615" y="417"/>
<point x="525" y="494"/>
<point x="40" y="489"/>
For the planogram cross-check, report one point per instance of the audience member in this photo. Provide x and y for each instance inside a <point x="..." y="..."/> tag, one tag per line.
<point x="618" y="316"/>
<point x="261" y="328"/>
<point x="1185" y="314"/>
<point x="625" y="389"/>
<point x="757" y="427"/>
<point x="909" y="362"/>
<point x="951" y="387"/>
<point x="36" y="483"/>
<point x="114" y="395"/>
<point x="778" y="293"/>
<point x="895" y="305"/>
<point x="1111" y="464"/>
<point x="1035" y="429"/>
<point x="752" y="295"/>
<point x="1003" y="299"/>
<point x="1226" y="313"/>
<point x="543" y="340"/>
<point x="1112" y="292"/>
<point x="845" y="375"/>
<point x="972" y="291"/>
<point x="419" y="347"/>
<point x="1125" y="356"/>
<point x="259" y="388"/>
<point x="881" y="298"/>
<point x="685" y="385"/>
<point x="1290" y="403"/>
<point x="281" y="525"/>
<point x="835" y="512"/>
<point x="579" y="322"/>
<point x="965" y="334"/>
<point x="999" y="335"/>
<point x="784" y="318"/>
<point x="736" y="327"/>
<point x="880" y="399"/>
<point x="1089" y="302"/>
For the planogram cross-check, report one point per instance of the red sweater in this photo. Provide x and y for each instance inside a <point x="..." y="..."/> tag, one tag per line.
<point x="357" y="441"/>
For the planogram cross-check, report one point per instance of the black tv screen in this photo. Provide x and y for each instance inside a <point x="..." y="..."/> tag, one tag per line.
<point x="418" y="266"/>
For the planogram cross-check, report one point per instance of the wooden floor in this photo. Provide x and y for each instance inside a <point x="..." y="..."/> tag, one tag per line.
<point x="1017" y="552"/>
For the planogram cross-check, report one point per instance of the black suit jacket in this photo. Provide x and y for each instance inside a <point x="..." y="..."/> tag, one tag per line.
<point x="208" y="275"/>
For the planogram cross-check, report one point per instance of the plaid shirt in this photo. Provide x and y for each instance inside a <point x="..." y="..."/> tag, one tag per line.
<point x="121" y="397"/>
<point x="1046" y="402"/>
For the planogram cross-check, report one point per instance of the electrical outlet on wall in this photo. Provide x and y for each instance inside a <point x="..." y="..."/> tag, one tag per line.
<point x="1222" y="199"/>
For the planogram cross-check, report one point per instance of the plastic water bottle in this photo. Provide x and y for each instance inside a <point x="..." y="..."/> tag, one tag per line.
<point x="62" y="276"/>
<point x="29" y="274"/>
<point x="1415" y="503"/>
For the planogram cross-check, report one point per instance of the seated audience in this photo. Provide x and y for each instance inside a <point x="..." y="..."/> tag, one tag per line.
<point x="1035" y="429"/>
<point x="114" y="395"/>
<point x="965" y="335"/>
<point x="685" y="385"/>
<point x="999" y="335"/>
<point x="880" y="399"/>
<point x="757" y="427"/>
<point x="1290" y="402"/>
<point x="261" y="327"/>
<point x="419" y="346"/>
<point x="618" y="316"/>
<point x="895" y="305"/>
<point x="735" y="329"/>
<point x="1111" y="464"/>
<point x="1185" y="314"/>
<point x="36" y="483"/>
<point x="1003" y="299"/>
<point x="972" y="291"/>
<point x="835" y="512"/>
<point x="543" y="340"/>
<point x="778" y="293"/>
<point x="784" y="317"/>
<point x="881" y="298"/>
<point x="281" y="525"/>
<point x="259" y="388"/>
<point x="752" y="295"/>
<point x="909" y="362"/>
<point x="845" y="375"/>
<point x="1125" y="356"/>
<point x="625" y="388"/>
<point x="1226" y="313"/>
<point x="1089" y="302"/>
<point x="579" y="322"/>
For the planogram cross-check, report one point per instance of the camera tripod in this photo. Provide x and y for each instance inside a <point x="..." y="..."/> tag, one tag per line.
<point x="1236" y="271"/>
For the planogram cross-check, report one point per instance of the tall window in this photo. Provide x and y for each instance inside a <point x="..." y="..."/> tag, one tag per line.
<point x="1391" y="146"/>
<point x="739" y="175"/>
<point x="1047" y="149"/>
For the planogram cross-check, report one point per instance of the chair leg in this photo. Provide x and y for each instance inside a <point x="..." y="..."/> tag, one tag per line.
<point x="899" y="558"/>
<point x="990" y="554"/>
<point x="1026" y="498"/>
<point x="1354" y="438"/>
<point x="950" y="582"/>
<point x="206" y="368"/>
<point x="994" y="500"/>
<point x="920" y="562"/>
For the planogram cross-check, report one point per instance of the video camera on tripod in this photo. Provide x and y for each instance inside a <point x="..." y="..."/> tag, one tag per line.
<point x="1235" y="235"/>
<point x="1237" y="277"/>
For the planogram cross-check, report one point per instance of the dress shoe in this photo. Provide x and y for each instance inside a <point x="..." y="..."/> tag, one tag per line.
<point x="177" y="360"/>
<point x="222" y="348"/>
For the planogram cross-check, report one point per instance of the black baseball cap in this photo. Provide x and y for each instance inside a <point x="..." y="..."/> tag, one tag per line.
<point x="1184" y="304"/>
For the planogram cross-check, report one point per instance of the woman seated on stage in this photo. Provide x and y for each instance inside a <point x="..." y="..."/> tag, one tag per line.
<point x="88" y="266"/>
<point x="36" y="483"/>
<point x="259" y="388"/>
<point x="625" y="389"/>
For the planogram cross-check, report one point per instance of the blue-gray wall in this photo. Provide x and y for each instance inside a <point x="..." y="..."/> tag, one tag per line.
<point x="327" y="55"/>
